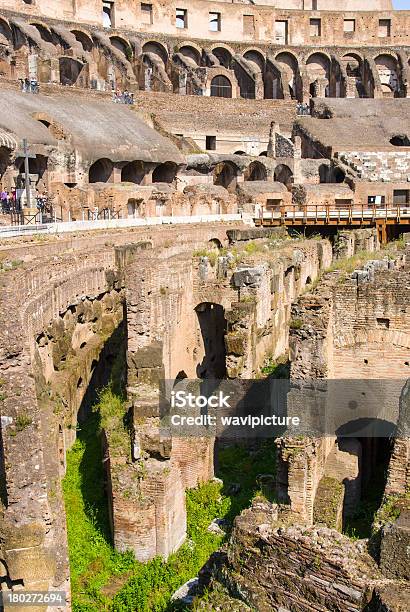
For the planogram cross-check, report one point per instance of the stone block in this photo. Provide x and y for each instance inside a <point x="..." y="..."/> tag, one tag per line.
<point x="248" y="277"/>
<point x="30" y="564"/>
<point x="395" y="548"/>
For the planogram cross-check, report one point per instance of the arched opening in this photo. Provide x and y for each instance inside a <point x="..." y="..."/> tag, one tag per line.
<point x="5" y="158"/>
<point x="338" y="175"/>
<point x="122" y="45"/>
<point x="367" y="443"/>
<point x="223" y="56"/>
<point x="256" y="59"/>
<point x="70" y="70"/>
<point x="225" y="174"/>
<point x="324" y="171"/>
<point x="283" y="174"/>
<point x="255" y="172"/>
<point x="164" y="173"/>
<point x="55" y="129"/>
<point x="215" y="244"/>
<point x="36" y="165"/>
<point x="101" y="171"/>
<point x="212" y="324"/>
<point x="83" y="39"/>
<point x="388" y="74"/>
<point x="263" y="154"/>
<point x="44" y="32"/>
<point x="156" y="49"/>
<point x="239" y="153"/>
<point x="191" y="54"/>
<point x="221" y="87"/>
<point x="400" y="140"/>
<point x="180" y="376"/>
<point x="289" y="65"/>
<point x="133" y="172"/>
<point x="5" y="30"/>
<point x="318" y="69"/>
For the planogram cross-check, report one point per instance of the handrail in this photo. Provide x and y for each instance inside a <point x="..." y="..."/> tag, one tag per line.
<point x="324" y="212"/>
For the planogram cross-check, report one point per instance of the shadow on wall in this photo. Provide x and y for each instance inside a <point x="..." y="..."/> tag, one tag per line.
<point x="212" y="323"/>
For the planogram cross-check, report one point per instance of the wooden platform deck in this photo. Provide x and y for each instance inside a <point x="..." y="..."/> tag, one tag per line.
<point x="349" y="216"/>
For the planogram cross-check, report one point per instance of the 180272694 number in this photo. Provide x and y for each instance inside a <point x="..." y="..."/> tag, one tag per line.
<point x="33" y="598"/>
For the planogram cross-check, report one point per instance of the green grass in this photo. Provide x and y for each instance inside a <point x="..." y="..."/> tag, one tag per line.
<point x="103" y="579"/>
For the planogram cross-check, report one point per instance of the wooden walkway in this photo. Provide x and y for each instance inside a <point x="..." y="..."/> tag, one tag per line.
<point x="347" y="216"/>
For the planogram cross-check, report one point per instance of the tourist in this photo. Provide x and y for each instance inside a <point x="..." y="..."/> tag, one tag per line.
<point x="4" y="200"/>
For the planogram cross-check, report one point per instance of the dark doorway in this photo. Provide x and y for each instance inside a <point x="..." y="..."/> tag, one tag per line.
<point x="212" y="323"/>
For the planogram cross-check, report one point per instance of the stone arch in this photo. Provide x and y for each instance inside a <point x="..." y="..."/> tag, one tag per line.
<point x="239" y="153"/>
<point x="5" y="159"/>
<point x="318" y="65"/>
<point x="180" y="376"/>
<point x="388" y="71"/>
<point x="101" y="171"/>
<point x="256" y="57"/>
<point x="70" y="70"/>
<point x="133" y="172"/>
<point x="192" y="52"/>
<point x="289" y="65"/>
<point x="215" y="243"/>
<point x="5" y="30"/>
<point x="156" y="48"/>
<point x="224" y="54"/>
<point x="353" y="67"/>
<point x="318" y="69"/>
<point x="221" y="86"/>
<point x="226" y="174"/>
<point x="256" y="171"/>
<point x="354" y="59"/>
<point x="400" y="140"/>
<point x="122" y="44"/>
<point x="55" y="128"/>
<point x="84" y="39"/>
<point x="283" y="174"/>
<point x="212" y="325"/>
<point x="165" y="173"/>
<point x="44" y="32"/>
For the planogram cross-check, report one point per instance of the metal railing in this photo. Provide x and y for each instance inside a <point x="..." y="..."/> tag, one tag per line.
<point x="294" y="214"/>
<point x="104" y="213"/>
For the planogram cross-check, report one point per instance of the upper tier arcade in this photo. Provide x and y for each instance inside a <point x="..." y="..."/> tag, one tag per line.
<point x="293" y="22"/>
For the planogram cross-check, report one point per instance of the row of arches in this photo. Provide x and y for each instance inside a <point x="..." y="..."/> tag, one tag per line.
<point x="251" y="73"/>
<point x="225" y="173"/>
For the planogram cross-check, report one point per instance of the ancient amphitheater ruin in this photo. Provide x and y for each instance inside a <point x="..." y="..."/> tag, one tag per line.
<point x="204" y="200"/>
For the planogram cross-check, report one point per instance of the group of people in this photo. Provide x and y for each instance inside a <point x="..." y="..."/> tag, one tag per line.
<point x="41" y="202"/>
<point x="122" y="97"/>
<point x="11" y="201"/>
<point x="303" y="108"/>
<point x="29" y="85"/>
<point x="8" y="200"/>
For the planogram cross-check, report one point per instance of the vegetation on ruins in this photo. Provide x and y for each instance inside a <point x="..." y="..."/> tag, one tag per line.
<point x="104" y="579"/>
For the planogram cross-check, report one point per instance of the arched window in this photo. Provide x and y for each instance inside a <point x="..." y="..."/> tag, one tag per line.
<point x="164" y="173"/>
<point x="221" y="87"/>
<point x="100" y="171"/>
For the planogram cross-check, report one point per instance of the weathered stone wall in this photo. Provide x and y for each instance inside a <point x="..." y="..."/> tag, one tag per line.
<point x="357" y="329"/>
<point x="372" y="166"/>
<point x="272" y="564"/>
<point x="60" y="307"/>
<point x="173" y="298"/>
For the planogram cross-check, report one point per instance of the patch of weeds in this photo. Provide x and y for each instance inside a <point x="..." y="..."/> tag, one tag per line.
<point x="22" y="422"/>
